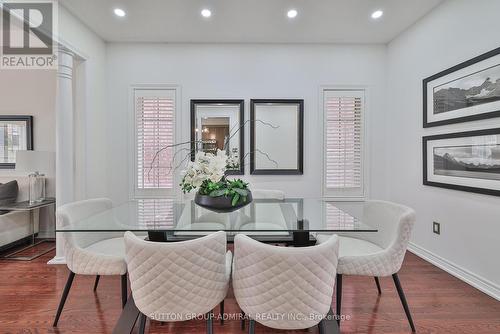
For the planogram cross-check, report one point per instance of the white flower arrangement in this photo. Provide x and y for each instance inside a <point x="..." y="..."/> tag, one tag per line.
<point x="205" y="167"/>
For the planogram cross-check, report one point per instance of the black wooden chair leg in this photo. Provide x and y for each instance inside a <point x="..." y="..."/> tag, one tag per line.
<point x="96" y="283"/>
<point x="67" y="287"/>
<point x="251" y="327"/>
<point x="142" y="323"/>
<point x="338" y="310"/>
<point x="321" y="327"/>
<point x="403" y="301"/>
<point x="221" y="306"/>
<point x="124" y="289"/>
<point x="378" y="285"/>
<point x="210" y="322"/>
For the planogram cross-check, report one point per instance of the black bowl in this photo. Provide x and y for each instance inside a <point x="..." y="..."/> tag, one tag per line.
<point x="221" y="203"/>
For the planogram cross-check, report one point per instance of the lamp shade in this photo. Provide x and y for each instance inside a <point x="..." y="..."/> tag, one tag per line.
<point x="36" y="161"/>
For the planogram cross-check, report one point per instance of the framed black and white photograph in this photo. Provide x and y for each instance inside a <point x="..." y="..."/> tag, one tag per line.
<point x="467" y="161"/>
<point x="218" y="125"/>
<point x="276" y="136"/>
<point x="16" y="134"/>
<point x="465" y="92"/>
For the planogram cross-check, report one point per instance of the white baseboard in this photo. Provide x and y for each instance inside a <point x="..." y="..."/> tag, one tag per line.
<point x="57" y="260"/>
<point x="468" y="277"/>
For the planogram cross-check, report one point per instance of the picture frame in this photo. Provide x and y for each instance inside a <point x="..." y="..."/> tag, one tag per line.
<point x="465" y="92"/>
<point x="228" y="117"/>
<point x="16" y="133"/>
<point x="276" y="136"/>
<point x="466" y="161"/>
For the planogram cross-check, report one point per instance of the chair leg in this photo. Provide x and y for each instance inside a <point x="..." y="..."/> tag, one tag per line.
<point x="210" y="322"/>
<point x="321" y="327"/>
<point x="378" y="285"/>
<point x="251" y="327"/>
<point x="63" y="297"/>
<point x="142" y="323"/>
<point x="338" y="310"/>
<point x="124" y="289"/>
<point x="222" y="312"/>
<point x="96" y="283"/>
<point x="242" y="320"/>
<point x="403" y="300"/>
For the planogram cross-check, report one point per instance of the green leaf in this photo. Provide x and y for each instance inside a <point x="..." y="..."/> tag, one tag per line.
<point x="236" y="197"/>
<point x="242" y="192"/>
<point x="217" y="193"/>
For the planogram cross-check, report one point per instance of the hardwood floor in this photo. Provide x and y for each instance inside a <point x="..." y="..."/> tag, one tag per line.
<point x="440" y="303"/>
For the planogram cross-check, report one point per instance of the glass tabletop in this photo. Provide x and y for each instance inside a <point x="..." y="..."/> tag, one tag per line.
<point x="184" y="217"/>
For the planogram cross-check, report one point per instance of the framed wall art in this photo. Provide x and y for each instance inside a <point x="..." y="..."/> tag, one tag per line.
<point x="465" y="92"/>
<point x="276" y="137"/>
<point x="16" y="134"/>
<point x="467" y="161"/>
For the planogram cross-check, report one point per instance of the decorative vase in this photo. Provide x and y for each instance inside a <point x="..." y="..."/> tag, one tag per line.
<point x="221" y="203"/>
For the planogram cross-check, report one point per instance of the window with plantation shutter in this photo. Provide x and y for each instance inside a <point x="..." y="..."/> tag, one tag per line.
<point x="155" y="213"/>
<point x="337" y="219"/>
<point x="154" y="125"/>
<point x="343" y="156"/>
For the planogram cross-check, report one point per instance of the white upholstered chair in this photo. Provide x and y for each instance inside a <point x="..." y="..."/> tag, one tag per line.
<point x="90" y="253"/>
<point x="176" y="281"/>
<point x="284" y="288"/>
<point x="377" y="254"/>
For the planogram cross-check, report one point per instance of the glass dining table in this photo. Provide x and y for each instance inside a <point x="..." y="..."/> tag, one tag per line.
<point x="292" y="222"/>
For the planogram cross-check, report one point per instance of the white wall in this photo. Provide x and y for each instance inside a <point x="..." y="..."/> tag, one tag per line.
<point x="470" y="223"/>
<point x="245" y="71"/>
<point x="31" y="92"/>
<point x="90" y="105"/>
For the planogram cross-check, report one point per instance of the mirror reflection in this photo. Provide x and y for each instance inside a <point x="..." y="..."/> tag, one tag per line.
<point x="217" y="125"/>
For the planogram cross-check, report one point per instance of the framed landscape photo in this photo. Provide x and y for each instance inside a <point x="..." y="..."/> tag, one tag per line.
<point x="465" y="92"/>
<point x="16" y="134"/>
<point x="467" y="161"/>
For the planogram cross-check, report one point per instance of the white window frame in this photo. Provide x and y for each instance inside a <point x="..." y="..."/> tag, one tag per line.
<point x="347" y="194"/>
<point x="134" y="192"/>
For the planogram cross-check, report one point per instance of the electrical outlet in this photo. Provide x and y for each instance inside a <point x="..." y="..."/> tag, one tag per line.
<point x="436" y="227"/>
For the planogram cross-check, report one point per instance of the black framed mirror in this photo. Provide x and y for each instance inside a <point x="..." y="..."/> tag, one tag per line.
<point x="16" y="134"/>
<point x="218" y="125"/>
<point x="276" y="136"/>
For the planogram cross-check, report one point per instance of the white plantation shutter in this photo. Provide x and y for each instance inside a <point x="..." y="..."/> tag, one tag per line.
<point x="155" y="213"/>
<point x="154" y="111"/>
<point x="336" y="219"/>
<point x="343" y="110"/>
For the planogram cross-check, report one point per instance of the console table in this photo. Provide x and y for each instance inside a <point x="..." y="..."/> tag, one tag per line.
<point x="26" y="206"/>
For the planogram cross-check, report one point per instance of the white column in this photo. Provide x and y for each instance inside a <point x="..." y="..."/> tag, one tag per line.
<point x="65" y="154"/>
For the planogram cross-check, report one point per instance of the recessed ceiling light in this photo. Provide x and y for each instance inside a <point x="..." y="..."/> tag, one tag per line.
<point x="206" y="13"/>
<point x="119" y="12"/>
<point x="292" y="13"/>
<point x="377" y="14"/>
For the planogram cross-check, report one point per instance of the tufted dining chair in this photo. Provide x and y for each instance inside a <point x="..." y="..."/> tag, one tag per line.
<point x="377" y="254"/>
<point x="90" y="253"/>
<point x="284" y="288"/>
<point x="178" y="281"/>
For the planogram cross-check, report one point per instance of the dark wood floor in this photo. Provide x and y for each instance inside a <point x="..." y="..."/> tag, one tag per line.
<point x="30" y="291"/>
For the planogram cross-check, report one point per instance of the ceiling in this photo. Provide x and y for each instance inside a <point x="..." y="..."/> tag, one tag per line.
<point x="249" y="21"/>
